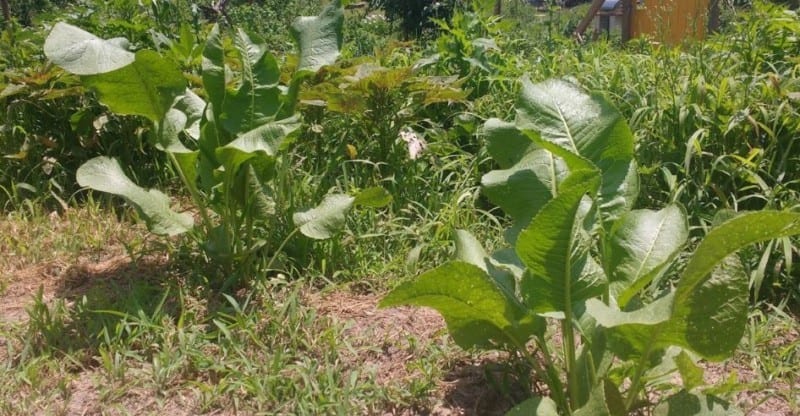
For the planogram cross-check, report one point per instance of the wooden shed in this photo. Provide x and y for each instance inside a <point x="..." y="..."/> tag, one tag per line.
<point x="670" y="21"/>
<point x="666" y="21"/>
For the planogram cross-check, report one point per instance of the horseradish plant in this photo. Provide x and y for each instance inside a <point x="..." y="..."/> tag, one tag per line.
<point x="581" y="257"/>
<point x="225" y="146"/>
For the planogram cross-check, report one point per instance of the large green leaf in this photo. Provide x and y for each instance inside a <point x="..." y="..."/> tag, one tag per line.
<point x="183" y="117"/>
<point x="469" y="249"/>
<point x="505" y="143"/>
<point x="213" y="65"/>
<point x="695" y="404"/>
<point x="477" y="312"/>
<point x="147" y="87"/>
<point x="523" y="189"/>
<point x="257" y="98"/>
<point x="326" y="219"/>
<point x="319" y="37"/>
<point x="587" y="125"/>
<point x="554" y="280"/>
<point x="654" y="313"/>
<point x="105" y="174"/>
<point x="642" y="245"/>
<point x="714" y="306"/>
<point x="709" y="311"/>
<point x="258" y="196"/>
<point x="263" y="142"/>
<point x="83" y="53"/>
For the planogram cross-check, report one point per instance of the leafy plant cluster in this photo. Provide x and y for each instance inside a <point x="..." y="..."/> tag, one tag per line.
<point x="51" y="124"/>
<point x="416" y="16"/>
<point x="581" y="259"/>
<point x="225" y="146"/>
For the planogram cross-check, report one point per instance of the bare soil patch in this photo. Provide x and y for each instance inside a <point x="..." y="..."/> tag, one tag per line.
<point x="390" y="340"/>
<point x="467" y="386"/>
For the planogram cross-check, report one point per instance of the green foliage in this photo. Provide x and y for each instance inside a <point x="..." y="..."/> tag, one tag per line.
<point x="584" y="259"/>
<point x="51" y="124"/>
<point x="415" y="16"/>
<point x="226" y="150"/>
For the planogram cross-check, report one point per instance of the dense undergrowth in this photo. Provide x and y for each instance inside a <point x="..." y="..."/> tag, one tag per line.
<point x="714" y="126"/>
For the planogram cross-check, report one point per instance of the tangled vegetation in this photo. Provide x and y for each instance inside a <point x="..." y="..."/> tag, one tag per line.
<point x="621" y="215"/>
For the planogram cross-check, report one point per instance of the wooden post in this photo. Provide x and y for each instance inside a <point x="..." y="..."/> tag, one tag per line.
<point x="498" y="7"/>
<point x="6" y="11"/>
<point x="713" y="16"/>
<point x="587" y="20"/>
<point x="627" y="19"/>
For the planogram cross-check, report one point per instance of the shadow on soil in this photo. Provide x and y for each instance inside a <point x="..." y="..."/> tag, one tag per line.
<point x="94" y="301"/>
<point x="484" y="389"/>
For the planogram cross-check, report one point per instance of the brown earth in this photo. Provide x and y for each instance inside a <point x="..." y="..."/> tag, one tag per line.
<point x="386" y="340"/>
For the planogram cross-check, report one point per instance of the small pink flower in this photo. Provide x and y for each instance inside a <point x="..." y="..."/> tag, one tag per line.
<point x="416" y="144"/>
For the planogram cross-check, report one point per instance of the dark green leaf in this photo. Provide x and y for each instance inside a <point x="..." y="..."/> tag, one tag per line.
<point x="643" y="244"/>
<point x="147" y="87"/>
<point x="555" y="277"/>
<point x="477" y="312"/>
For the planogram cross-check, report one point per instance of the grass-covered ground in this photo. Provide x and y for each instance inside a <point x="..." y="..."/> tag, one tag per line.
<point x="99" y="316"/>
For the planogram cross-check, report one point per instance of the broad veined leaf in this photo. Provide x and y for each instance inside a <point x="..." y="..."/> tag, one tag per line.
<point x="709" y="312"/>
<point x="147" y="87"/>
<point x="718" y="316"/>
<point x="587" y="125"/>
<point x="715" y="333"/>
<point x="653" y="313"/>
<point x="548" y="249"/>
<point x="326" y="219"/>
<point x="319" y="37"/>
<point x="477" y="312"/>
<point x="264" y="141"/>
<point x="258" y="195"/>
<point x="505" y="143"/>
<point x="213" y="65"/>
<point x="469" y="250"/>
<point x="535" y="406"/>
<point x="104" y="174"/>
<point x="257" y="98"/>
<point x="643" y="244"/>
<point x="82" y="53"/>
<point x="523" y="189"/>
<point x="183" y="117"/>
<point x="695" y="404"/>
<point x="712" y="319"/>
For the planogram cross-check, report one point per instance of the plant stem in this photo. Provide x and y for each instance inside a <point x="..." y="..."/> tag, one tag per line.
<point x="548" y="374"/>
<point x="569" y="338"/>
<point x="636" y="382"/>
<point x="201" y="206"/>
<point x="569" y="358"/>
<point x="280" y="247"/>
<point x="554" y="382"/>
